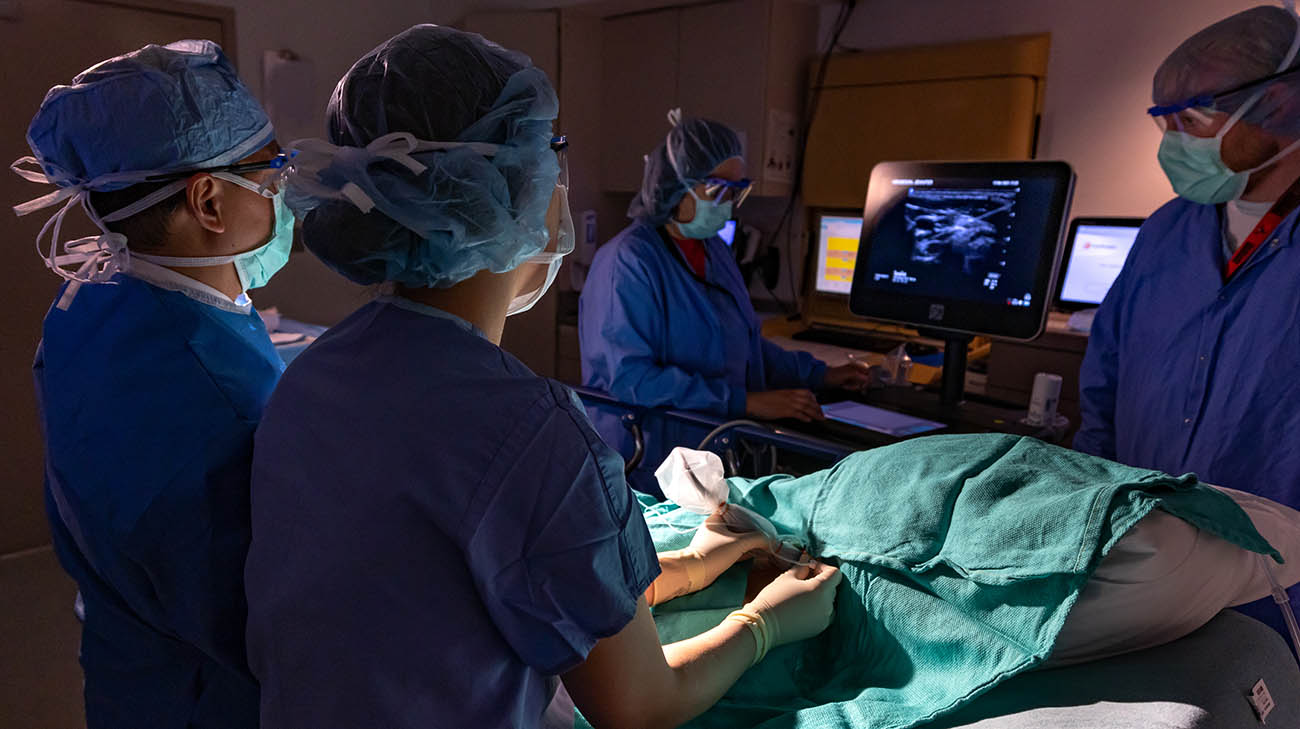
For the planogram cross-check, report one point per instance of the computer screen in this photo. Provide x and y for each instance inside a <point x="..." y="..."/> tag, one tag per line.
<point x="1095" y="252"/>
<point x="728" y="232"/>
<point x="837" y="250"/>
<point x="968" y="247"/>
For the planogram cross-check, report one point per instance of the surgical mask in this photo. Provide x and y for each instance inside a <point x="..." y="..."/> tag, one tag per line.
<point x="564" y="240"/>
<point x="1195" y="168"/>
<point x="709" y="218"/>
<point x="254" y="267"/>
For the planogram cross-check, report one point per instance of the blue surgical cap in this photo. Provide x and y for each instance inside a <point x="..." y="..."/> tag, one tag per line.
<point x="160" y="108"/>
<point x="698" y="146"/>
<point x="446" y="213"/>
<point x="1247" y="46"/>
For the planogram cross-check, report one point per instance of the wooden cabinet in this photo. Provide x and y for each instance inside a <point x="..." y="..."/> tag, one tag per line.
<point x="741" y="62"/>
<point x="965" y="101"/>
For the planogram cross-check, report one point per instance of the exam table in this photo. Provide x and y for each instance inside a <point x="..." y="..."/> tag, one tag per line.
<point x="1202" y="681"/>
<point x="1207" y="680"/>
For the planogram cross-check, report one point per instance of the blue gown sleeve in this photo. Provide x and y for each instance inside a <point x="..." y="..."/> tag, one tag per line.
<point x="787" y="369"/>
<point x="629" y="333"/>
<point x="192" y="540"/>
<point x="561" y="553"/>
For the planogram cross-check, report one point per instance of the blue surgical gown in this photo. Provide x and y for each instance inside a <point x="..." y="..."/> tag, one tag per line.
<point x="654" y="334"/>
<point x="1185" y="373"/>
<point x="149" y="400"/>
<point x="437" y="532"/>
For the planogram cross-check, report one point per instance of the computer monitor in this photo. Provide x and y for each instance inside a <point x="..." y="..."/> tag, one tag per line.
<point x="838" y="235"/>
<point x="728" y="232"/>
<point x="1095" y="251"/>
<point x="962" y="248"/>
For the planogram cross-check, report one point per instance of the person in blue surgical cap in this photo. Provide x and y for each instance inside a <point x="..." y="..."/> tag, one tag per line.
<point x="153" y="370"/>
<point x="665" y="317"/>
<point x="439" y="536"/>
<point x="1193" y="363"/>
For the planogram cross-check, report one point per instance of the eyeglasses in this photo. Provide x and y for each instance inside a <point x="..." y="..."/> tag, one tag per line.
<point x="1197" y="114"/>
<point x="282" y="164"/>
<point x="734" y="191"/>
<point x="560" y="146"/>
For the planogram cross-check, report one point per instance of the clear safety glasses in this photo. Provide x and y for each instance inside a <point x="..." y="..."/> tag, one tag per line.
<point x="734" y="191"/>
<point x="560" y="145"/>
<point x="1200" y="114"/>
<point x="282" y="164"/>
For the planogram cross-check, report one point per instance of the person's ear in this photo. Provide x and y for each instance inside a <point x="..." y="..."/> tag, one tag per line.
<point x="205" y="202"/>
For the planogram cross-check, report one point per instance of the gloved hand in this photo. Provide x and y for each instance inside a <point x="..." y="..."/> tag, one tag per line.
<point x="718" y="546"/>
<point x="715" y="547"/>
<point x="798" y="604"/>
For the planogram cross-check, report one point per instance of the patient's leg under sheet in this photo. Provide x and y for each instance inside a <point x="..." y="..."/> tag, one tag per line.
<point x="1166" y="578"/>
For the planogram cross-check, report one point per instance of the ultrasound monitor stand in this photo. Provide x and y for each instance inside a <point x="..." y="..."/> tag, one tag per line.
<point x="955" y="346"/>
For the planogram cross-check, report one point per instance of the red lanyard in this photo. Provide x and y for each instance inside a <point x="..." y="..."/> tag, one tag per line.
<point x="1289" y="201"/>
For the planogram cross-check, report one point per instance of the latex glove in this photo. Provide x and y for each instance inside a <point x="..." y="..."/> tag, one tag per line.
<point x="718" y="545"/>
<point x="798" y="604"/>
<point x="777" y="404"/>
<point x="848" y="377"/>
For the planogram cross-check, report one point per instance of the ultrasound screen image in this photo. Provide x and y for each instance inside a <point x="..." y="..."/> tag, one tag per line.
<point x="967" y="229"/>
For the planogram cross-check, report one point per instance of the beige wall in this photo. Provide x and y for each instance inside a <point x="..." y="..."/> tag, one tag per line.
<point x="1104" y="53"/>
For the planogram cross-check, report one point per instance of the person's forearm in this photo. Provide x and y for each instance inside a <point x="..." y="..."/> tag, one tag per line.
<point x="704" y="668"/>
<point x="681" y="573"/>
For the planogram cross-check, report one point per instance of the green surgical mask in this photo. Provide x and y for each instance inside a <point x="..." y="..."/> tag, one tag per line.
<point x="709" y="218"/>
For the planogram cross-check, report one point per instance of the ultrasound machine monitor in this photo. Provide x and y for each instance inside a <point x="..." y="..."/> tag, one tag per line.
<point x="1095" y="251"/>
<point x="962" y="248"/>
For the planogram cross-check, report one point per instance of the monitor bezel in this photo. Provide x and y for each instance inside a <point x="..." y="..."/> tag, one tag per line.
<point x="1058" y="301"/>
<point x="955" y="316"/>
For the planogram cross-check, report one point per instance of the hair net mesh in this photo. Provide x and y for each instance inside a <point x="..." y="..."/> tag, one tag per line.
<point x="1244" y="47"/>
<point x="466" y="212"/>
<point x="160" y="108"/>
<point x="698" y="146"/>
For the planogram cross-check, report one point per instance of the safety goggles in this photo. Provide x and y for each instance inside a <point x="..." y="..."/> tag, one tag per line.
<point x="1198" y="114"/>
<point x="560" y="146"/>
<point x="282" y="164"/>
<point x="721" y="191"/>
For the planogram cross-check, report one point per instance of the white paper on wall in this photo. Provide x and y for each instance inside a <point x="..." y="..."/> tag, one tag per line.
<point x="289" y="94"/>
<point x="782" y="135"/>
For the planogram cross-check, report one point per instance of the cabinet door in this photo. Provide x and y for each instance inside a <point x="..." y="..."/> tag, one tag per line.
<point x="721" y="68"/>
<point x="962" y="119"/>
<point x="639" y="86"/>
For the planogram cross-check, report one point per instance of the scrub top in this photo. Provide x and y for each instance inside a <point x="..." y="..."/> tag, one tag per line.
<point x="655" y="334"/>
<point x="149" y="399"/>
<point x="1185" y="373"/>
<point x="437" y="531"/>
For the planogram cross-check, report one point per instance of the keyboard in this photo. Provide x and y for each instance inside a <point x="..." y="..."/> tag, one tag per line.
<point x="862" y="341"/>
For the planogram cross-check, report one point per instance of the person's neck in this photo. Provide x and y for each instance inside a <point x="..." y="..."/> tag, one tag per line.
<point x="481" y="300"/>
<point x="1269" y="184"/>
<point x="223" y="277"/>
